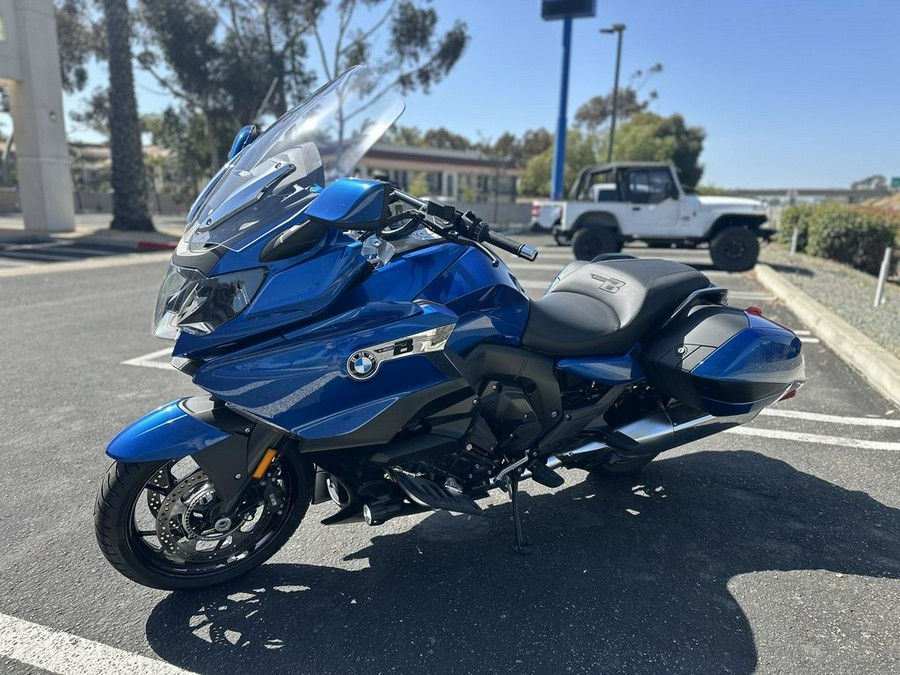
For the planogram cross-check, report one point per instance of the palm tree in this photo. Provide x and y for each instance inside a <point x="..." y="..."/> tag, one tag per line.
<point x="129" y="202"/>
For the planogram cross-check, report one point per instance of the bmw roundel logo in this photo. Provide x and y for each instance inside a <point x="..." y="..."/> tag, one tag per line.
<point x="362" y="365"/>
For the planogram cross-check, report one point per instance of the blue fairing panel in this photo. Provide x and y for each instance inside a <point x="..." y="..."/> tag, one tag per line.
<point x="609" y="371"/>
<point x="488" y="300"/>
<point x="301" y="383"/>
<point x="166" y="433"/>
<point x="295" y="290"/>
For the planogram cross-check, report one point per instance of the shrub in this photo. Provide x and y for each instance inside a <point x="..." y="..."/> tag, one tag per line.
<point x="853" y="235"/>
<point x="797" y="216"/>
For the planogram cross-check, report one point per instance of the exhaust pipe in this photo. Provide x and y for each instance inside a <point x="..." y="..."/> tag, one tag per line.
<point x="659" y="431"/>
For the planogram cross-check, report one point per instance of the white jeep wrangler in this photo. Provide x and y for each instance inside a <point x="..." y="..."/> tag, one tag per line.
<point x="611" y="204"/>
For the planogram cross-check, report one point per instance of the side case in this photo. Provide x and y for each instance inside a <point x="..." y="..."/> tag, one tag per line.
<point x="724" y="361"/>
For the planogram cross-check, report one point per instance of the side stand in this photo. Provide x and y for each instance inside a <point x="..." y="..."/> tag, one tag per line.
<point x="522" y="546"/>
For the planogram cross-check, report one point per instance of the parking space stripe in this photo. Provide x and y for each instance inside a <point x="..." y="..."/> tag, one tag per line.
<point x="67" y="654"/>
<point x="840" y="441"/>
<point x="832" y="419"/>
<point x="147" y="360"/>
<point x="88" y="264"/>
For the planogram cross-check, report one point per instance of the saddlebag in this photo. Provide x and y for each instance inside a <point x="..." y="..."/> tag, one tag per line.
<point x="723" y="360"/>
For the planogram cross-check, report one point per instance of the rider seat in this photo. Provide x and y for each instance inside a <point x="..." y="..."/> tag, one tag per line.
<point x="604" y="308"/>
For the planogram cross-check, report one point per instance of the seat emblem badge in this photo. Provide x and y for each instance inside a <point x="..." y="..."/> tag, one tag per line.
<point x="362" y="365"/>
<point x="608" y="284"/>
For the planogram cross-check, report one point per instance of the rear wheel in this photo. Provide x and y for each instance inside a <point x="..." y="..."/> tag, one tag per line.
<point x="734" y="249"/>
<point x="589" y="242"/>
<point x="161" y="524"/>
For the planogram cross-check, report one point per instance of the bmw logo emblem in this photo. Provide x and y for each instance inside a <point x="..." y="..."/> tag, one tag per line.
<point x="362" y="365"/>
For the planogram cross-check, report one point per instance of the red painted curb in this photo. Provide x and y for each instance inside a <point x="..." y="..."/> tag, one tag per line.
<point x="157" y="245"/>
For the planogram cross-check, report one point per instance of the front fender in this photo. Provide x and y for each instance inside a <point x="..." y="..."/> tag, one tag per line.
<point x="169" y="432"/>
<point x="225" y="445"/>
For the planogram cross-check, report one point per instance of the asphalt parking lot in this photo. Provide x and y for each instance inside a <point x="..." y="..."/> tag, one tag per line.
<point x="773" y="549"/>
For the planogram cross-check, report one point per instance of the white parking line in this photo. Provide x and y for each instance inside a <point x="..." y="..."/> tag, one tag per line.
<point x="66" y="654"/>
<point x="849" y="443"/>
<point x="148" y="360"/>
<point x="832" y="419"/>
<point x="36" y="268"/>
<point x="534" y="267"/>
<point x="750" y="295"/>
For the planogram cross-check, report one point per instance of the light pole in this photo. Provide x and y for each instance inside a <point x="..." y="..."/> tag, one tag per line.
<point x="615" y="28"/>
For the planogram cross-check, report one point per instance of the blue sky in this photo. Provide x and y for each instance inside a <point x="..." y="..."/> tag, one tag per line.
<point x="792" y="93"/>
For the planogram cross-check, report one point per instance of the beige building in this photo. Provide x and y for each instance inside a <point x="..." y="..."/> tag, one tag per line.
<point x="459" y="175"/>
<point x="29" y="68"/>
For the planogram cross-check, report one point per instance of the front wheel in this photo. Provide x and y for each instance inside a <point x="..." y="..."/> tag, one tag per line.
<point x="161" y="524"/>
<point x="589" y="242"/>
<point x="734" y="249"/>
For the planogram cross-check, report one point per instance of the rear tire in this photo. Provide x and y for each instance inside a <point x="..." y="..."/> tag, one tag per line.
<point x="734" y="249"/>
<point x="589" y="242"/>
<point x="126" y="546"/>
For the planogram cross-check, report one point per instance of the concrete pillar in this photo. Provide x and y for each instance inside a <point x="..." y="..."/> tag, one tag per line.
<point x="42" y="159"/>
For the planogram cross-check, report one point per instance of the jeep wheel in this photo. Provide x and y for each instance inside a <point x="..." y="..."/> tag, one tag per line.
<point x="734" y="249"/>
<point x="589" y="242"/>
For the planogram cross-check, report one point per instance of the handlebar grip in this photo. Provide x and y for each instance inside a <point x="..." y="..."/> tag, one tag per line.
<point x="512" y="246"/>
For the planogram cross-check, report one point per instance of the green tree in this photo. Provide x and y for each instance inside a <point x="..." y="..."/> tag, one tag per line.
<point x="129" y="201"/>
<point x="182" y="133"/>
<point x="81" y="38"/>
<point x="401" y="135"/>
<point x="648" y="137"/>
<point x="445" y="140"/>
<point x="597" y="112"/>
<point x="236" y="60"/>
<point x="581" y="151"/>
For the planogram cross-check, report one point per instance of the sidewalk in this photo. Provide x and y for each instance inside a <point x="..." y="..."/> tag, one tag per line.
<point x="834" y="301"/>
<point x="93" y="229"/>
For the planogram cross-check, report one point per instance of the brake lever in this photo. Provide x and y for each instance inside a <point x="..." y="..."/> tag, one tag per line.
<point x="495" y="261"/>
<point x="451" y="234"/>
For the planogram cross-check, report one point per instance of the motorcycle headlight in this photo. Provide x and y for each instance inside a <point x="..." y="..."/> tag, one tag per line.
<point x="198" y="304"/>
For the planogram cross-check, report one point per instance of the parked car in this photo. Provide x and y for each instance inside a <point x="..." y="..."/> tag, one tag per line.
<point x="611" y="204"/>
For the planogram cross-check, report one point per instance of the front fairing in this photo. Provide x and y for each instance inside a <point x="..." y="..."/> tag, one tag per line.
<point x="294" y="291"/>
<point x="263" y="191"/>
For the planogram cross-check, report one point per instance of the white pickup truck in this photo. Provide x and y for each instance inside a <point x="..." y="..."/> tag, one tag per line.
<point x="611" y="204"/>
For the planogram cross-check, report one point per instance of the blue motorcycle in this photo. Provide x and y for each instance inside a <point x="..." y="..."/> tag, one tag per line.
<point x="362" y="346"/>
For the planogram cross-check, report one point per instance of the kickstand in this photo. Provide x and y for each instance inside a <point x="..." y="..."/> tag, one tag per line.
<point x="522" y="546"/>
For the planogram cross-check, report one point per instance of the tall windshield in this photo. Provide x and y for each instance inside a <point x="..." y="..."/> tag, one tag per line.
<point x="318" y="141"/>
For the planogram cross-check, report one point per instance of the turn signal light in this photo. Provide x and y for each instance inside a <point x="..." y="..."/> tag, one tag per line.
<point x="264" y="464"/>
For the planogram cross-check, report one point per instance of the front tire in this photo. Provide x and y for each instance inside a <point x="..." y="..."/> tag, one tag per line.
<point x="589" y="242"/>
<point x="734" y="249"/>
<point x="128" y="523"/>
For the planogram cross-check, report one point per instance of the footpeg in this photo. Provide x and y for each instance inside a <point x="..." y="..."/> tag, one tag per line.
<point x="428" y="493"/>
<point x="543" y="474"/>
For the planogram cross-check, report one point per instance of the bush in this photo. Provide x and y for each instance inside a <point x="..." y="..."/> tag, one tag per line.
<point x="798" y="216"/>
<point x="854" y="235"/>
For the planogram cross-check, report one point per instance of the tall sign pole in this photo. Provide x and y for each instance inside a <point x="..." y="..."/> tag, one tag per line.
<point x="559" y="151"/>
<point x="616" y="28"/>
<point x="565" y="10"/>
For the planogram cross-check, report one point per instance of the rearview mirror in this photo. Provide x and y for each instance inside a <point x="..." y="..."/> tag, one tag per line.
<point x="242" y="139"/>
<point x="352" y="204"/>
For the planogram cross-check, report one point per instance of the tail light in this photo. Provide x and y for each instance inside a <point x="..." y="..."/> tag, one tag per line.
<point x="535" y="209"/>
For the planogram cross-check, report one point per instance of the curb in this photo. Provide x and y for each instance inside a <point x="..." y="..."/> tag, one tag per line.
<point x="129" y="244"/>
<point x="879" y="367"/>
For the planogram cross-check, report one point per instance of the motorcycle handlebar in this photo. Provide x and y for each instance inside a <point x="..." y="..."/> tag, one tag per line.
<point x="480" y="230"/>
<point x="511" y="246"/>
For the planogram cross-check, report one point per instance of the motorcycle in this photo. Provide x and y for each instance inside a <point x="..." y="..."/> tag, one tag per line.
<point x="362" y="346"/>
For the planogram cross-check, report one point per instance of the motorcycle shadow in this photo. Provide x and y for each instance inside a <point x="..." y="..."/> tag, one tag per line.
<point x="631" y="578"/>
